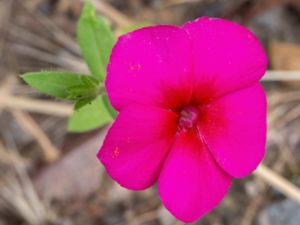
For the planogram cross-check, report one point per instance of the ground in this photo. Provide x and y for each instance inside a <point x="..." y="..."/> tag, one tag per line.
<point x="50" y="176"/>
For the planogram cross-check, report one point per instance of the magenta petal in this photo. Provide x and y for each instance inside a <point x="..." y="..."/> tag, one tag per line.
<point x="225" y="55"/>
<point x="234" y="128"/>
<point x="147" y="63"/>
<point x="191" y="183"/>
<point x="137" y="144"/>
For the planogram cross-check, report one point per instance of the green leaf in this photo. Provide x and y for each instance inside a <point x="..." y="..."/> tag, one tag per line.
<point x="96" y="41"/>
<point x="89" y="117"/>
<point x="82" y="102"/>
<point x="113" y="113"/>
<point x="89" y="81"/>
<point x="64" y="85"/>
<point x="80" y="92"/>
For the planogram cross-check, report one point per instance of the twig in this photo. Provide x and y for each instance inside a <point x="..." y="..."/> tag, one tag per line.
<point x="63" y="58"/>
<point x="38" y="106"/>
<point x="57" y="33"/>
<point x="7" y="87"/>
<point x="278" y="182"/>
<point x="10" y="157"/>
<point x="4" y="22"/>
<point x="29" y="37"/>
<point x="281" y="75"/>
<point x="65" y="61"/>
<point x="146" y="217"/>
<point x="174" y="3"/>
<point x="51" y="153"/>
<point x="251" y="210"/>
<point x="283" y="97"/>
<point x="19" y="196"/>
<point x="289" y="116"/>
<point x="177" y="222"/>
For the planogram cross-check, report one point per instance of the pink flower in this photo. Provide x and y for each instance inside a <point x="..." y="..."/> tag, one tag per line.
<point x="192" y="112"/>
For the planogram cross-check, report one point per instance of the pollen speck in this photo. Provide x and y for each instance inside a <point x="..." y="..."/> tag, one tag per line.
<point x="131" y="67"/>
<point x="135" y="67"/>
<point x="116" y="152"/>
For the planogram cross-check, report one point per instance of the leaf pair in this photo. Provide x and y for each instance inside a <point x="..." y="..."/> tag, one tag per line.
<point x="92" y="108"/>
<point x="63" y="85"/>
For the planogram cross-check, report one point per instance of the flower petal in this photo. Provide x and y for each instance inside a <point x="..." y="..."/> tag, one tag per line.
<point x="225" y="56"/>
<point x="234" y="128"/>
<point x="148" y="65"/>
<point x="137" y="144"/>
<point x="191" y="183"/>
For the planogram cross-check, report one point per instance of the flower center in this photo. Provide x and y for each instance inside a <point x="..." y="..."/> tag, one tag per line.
<point x="189" y="116"/>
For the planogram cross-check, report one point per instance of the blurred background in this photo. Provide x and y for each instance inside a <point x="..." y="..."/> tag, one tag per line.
<point x="49" y="176"/>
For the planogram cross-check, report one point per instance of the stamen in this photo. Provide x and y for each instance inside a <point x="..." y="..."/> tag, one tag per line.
<point x="188" y="117"/>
